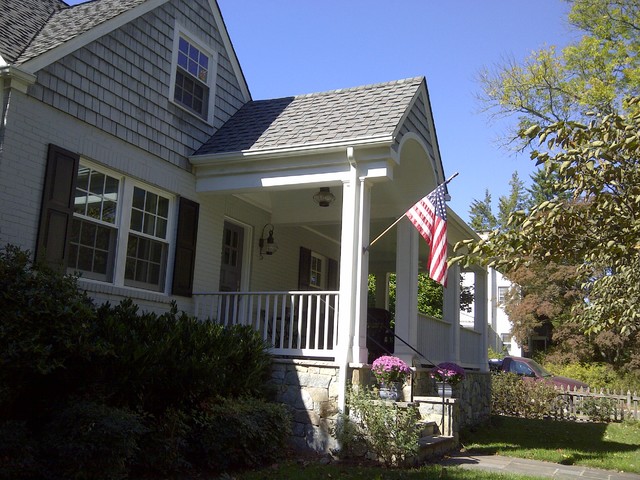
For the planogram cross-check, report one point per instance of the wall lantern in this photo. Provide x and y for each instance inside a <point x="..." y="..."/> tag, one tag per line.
<point x="324" y="197"/>
<point x="268" y="246"/>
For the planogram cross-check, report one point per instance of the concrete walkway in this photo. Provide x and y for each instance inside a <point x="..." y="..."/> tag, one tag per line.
<point x="534" y="468"/>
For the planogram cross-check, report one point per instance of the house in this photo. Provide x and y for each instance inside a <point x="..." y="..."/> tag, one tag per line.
<point x="500" y="338"/>
<point x="132" y="152"/>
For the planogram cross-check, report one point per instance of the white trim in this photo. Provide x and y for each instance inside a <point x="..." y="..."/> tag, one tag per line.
<point x="289" y="150"/>
<point x="79" y="41"/>
<point x="17" y="78"/>
<point x="123" y="229"/>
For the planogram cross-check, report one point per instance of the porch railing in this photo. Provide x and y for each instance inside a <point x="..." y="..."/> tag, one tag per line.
<point x="434" y="336"/>
<point x="294" y="323"/>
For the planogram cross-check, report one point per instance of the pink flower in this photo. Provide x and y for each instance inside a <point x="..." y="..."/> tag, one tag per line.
<point x="389" y="369"/>
<point x="449" y="372"/>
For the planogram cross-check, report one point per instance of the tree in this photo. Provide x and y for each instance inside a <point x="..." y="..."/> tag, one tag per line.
<point x="481" y="218"/>
<point x="514" y="202"/>
<point x="572" y="103"/>
<point x="597" y="227"/>
<point x="594" y="74"/>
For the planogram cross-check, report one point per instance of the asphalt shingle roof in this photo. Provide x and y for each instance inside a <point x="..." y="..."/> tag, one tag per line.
<point x="315" y="119"/>
<point x="20" y="22"/>
<point x="32" y="27"/>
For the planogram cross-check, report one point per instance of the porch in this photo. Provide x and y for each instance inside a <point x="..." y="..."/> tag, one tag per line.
<point x="305" y="324"/>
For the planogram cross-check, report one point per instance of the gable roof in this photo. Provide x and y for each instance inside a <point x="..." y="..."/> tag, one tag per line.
<point x="21" y="21"/>
<point x="35" y="33"/>
<point x="360" y="113"/>
<point x="70" y="22"/>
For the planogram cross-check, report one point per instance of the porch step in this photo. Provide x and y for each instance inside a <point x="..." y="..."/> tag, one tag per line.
<point x="427" y="428"/>
<point x="432" y="446"/>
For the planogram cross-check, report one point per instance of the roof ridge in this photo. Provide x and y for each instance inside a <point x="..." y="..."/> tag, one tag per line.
<point x="361" y="87"/>
<point x="39" y="31"/>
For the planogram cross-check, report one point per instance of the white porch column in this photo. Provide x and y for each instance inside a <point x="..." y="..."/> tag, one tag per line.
<point x="350" y="253"/>
<point x="406" y="290"/>
<point x="451" y="311"/>
<point x="359" y="350"/>
<point x="480" y="311"/>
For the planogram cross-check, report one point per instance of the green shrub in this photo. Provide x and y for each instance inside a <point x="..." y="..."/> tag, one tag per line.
<point x="175" y="361"/>
<point x="163" y="447"/>
<point x="379" y="427"/>
<point x="513" y="395"/>
<point x="239" y="433"/>
<point x="17" y="452"/>
<point x="46" y="327"/>
<point x="597" y="376"/>
<point x="89" y="440"/>
<point x="599" y="409"/>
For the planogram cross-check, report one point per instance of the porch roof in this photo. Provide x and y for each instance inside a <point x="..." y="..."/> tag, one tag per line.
<point x="370" y="112"/>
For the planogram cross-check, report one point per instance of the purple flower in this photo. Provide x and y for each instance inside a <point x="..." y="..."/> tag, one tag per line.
<point x="449" y="372"/>
<point x="389" y="369"/>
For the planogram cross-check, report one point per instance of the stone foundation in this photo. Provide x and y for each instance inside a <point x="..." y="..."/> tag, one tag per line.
<point x="309" y="389"/>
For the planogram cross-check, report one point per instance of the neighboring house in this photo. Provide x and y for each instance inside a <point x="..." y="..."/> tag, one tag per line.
<point x="132" y="152"/>
<point x="500" y="338"/>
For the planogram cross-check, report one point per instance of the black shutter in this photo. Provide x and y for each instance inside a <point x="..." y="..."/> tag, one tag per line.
<point x="56" y="212"/>
<point x="332" y="275"/>
<point x="186" y="239"/>
<point x="304" y="269"/>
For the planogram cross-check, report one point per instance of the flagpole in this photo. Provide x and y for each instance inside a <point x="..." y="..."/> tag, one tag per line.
<point x="365" y="249"/>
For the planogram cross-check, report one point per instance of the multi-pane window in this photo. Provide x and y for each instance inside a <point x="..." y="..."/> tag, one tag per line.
<point x="147" y="242"/>
<point x="119" y="232"/>
<point x="191" y="87"/>
<point x="94" y="229"/>
<point x="502" y="295"/>
<point x="318" y="271"/>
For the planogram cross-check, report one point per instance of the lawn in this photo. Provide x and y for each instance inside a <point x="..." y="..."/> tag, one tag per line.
<point x="341" y="471"/>
<point x="614" y="446"/>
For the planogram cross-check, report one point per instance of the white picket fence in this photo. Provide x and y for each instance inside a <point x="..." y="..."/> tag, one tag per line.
<point x="598" y="405"/>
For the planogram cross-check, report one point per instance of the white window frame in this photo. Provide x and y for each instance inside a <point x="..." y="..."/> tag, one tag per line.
<point x="181" y="32"/>
<point x="324" y="271"/>
<point x="123" y="229"/>
<point x="502" y="295"/>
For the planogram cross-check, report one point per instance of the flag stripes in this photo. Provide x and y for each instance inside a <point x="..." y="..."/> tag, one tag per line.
<point x="429" y="216"/>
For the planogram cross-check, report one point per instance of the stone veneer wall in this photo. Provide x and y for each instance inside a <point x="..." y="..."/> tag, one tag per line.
<point x="473" y="394"/>
<point x="310" y="389"/>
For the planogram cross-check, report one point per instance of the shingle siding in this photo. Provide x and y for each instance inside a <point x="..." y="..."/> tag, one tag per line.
<point x="121" y="83"/>
<point x="418" y="123"/>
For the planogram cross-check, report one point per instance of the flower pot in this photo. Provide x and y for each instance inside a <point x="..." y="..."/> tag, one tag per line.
<point x="392" y="392"/>
<point x="444" y="389"/>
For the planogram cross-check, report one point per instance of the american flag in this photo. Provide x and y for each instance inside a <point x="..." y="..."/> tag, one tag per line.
<point x="429" y="216"/>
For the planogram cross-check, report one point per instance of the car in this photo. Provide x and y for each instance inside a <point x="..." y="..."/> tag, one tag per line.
<point x="530" y="369"/>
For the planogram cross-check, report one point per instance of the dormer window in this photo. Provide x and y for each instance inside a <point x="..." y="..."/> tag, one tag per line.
<point x="192" y="76"/>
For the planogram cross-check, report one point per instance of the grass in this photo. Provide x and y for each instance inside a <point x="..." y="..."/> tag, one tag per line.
<point x="614" y="446"/>
<point x="338" y="471"/>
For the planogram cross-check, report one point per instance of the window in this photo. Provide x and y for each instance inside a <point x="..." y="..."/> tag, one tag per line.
<point x="110" y="228"/>
<point x="193" y="75"/>
<point x="502" y="295"/>
<point x="93" y="229"/>
<point x="146" y="244"/>
<point x="318" y="271"/>
<point x="103" y="219"/>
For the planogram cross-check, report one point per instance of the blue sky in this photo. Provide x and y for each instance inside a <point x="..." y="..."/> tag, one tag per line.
<point x="289" y="47"/>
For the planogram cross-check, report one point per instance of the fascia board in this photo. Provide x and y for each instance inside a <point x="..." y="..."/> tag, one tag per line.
<point x="19" y="79"/>
<point x="279" y="153"/>
<point x="55" y="54"/>
<point x="458" y="229"/>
